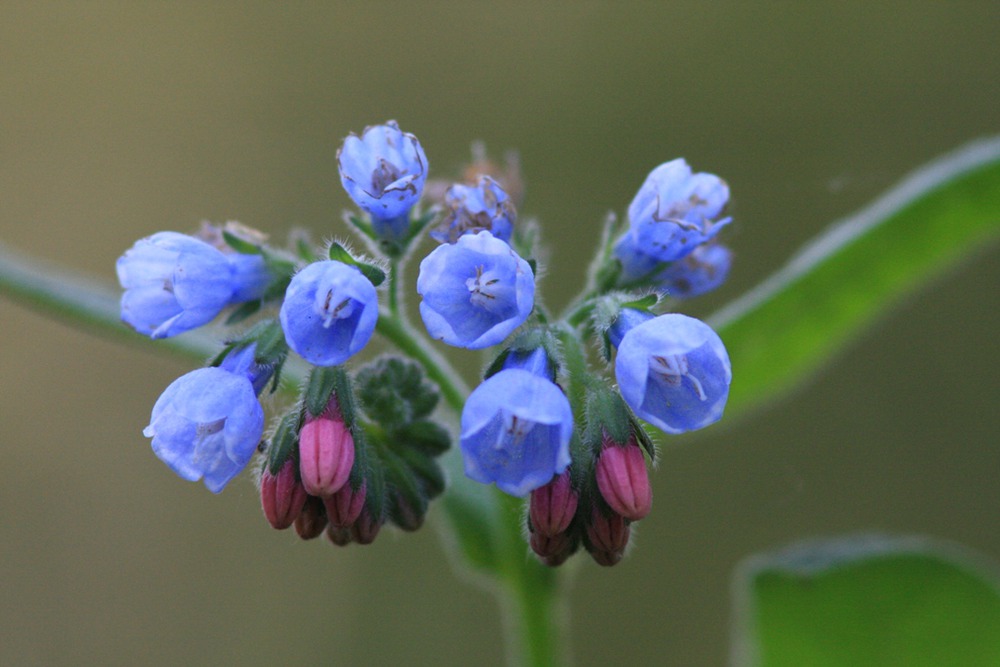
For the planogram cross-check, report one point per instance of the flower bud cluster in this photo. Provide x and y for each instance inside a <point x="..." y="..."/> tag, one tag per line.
<point x="359" y="448"/>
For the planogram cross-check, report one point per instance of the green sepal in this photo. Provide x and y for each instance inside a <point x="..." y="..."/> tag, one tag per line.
<point x="418" y="226"/>
<point x="643" y="303"/>
<point x="369" y="464"/>
<point x="283" y="442"/>
<point x="362" y="226"/>
<point x="424" y="467"/>
<point x="319" y="388"/>
<point x="607" y="413"/>
<point x="338" y="253"/>
<point x="270" y="340"/>
<point x="243" y="311"/>
<point x="404" y="490"/>
<point x="303" y="247"/>
<point x="533" y="265"/>
<point x="527" y="342"/>
<point x="241" y="245"/>
<point x="394" y="391"/>
<point x="426" y="436"/>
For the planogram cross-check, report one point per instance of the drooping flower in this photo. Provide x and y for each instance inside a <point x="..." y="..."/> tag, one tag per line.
<point x="208" y="423"/>
<point x="174" y="283"/>
<point x="676" y="210"/>
<point x="484" y="206"/>
<point x="515" y="431"/>
<point x="673" y="371"/>
<point x="329" y="312"/>
<point x="384" y="171"/>
<point x="475" y="292"/>
<point x="699" y="272"/>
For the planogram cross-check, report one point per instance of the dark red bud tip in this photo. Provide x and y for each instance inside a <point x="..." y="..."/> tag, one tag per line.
<point x="282" y="496"/>
<point x="312" y="520"/>
<point x="623" y="480"/>
<point x="365" y="529"/>
<point x="607" y="533"/>
<point x="341" y="537"/>
<point x="607" y="558"/>
<point x="552" y="550"/>
<point x="344" y="507"/>
<point x="326" y="455"/>
<point x="552" y="506"/>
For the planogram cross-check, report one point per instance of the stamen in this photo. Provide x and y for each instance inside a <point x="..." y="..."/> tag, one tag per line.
<point x="673" y="369"/>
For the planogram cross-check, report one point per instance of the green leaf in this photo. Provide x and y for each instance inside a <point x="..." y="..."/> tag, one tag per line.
<point x="240" y="245"/>
<point x="796" y="320"/>
<point x="867" y="600"/>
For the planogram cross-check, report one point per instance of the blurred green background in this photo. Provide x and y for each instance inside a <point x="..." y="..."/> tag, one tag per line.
<point x="118" y="120"/>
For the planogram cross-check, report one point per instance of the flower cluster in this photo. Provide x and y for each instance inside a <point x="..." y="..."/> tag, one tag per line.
<point x="359" y="447"/>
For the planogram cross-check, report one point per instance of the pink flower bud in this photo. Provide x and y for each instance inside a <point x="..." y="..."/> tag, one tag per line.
<point x="552" y="506"/>
<point x="344" y="507"/>
<point x="282" y="496"/>
<point x="312" y="520"/>
<point x="623" y="480"/>
<point x="607" y="533"/>
<point x="326" y="452"/>
<point x="552" y="550"/>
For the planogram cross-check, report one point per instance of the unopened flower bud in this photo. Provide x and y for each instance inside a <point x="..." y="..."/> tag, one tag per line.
<point x="326" y="452"/>
<point x="282" y="496"/>
<point x="553" y="550"/>
<point x="623" y="480"/>
<point x="406" y="514"/>
<point x="365" y="529"/>
<point x="607" y="533"/>
<point x="552" y="506"/>
<point x="340" y="537"/>
<point x="344" y="507"/>
<point x="607" y="558"/>
<point x="311" y="520"/>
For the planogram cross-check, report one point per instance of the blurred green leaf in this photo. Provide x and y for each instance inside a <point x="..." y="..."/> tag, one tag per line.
<point x="867" y="600"/>
<point x="796" y="320"/>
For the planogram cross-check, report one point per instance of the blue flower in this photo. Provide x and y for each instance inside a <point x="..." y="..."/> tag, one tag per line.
<point x="475" y="292"/>
<point x="674" y="372"/>
<point x="208" y="423"/>
<point x="329" y="312"/>
<point x="384" y="171"/>
<point x="702" y="271"/>
<point x="675" y="211"/>
<point x="473" y="209"/>
<point x="174" y="283"/>
<point x="516" y="429"/>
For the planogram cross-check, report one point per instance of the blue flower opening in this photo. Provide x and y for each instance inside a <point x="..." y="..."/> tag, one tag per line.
<point x="674" y="372"/>
<point x="515" y="432"/>
<point x="475" y="292"/>
<point x="383" y="171"/>
<point x="675" y="211"/>
<point x="329" y="312"/>
<point x="207" y="424"/>
<point x="174" y="283"/>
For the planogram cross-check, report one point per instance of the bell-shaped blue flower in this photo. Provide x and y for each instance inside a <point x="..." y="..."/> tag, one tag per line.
<point x="516" y="428"/>
<point x="208" y="423"/>
<point x="384" y="171"/>
<point x="673" y="371"/>
<point x="174" y="283"/>
<point x="476" y="208"/>
<point x="702" y="271"/>
<point x="676" y="210"/>
<point x="475" y="291"/>
<point x="329" y="312"/>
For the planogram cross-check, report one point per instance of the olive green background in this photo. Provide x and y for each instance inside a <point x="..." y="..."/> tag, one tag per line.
<point x="119" y="120"/>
